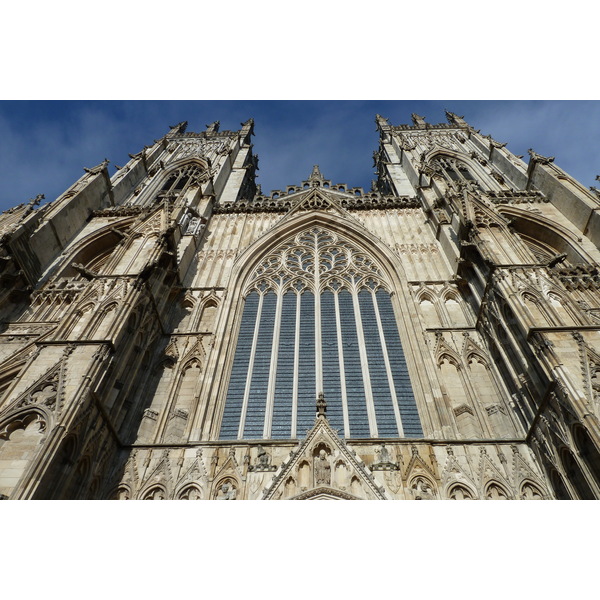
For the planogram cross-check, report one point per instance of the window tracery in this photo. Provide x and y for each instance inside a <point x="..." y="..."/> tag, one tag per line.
<point x="185" y="177"/>
<point x="453" y="170"/>
<point x="318" y="317"/>
<point x="316" y="260"/>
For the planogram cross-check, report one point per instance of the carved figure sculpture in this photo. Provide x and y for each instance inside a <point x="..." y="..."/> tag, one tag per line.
<point x="226" y="492"/>
<point x="383" y="454"/>
<point x="263" y="457"/>
<point x="322" y="469"/>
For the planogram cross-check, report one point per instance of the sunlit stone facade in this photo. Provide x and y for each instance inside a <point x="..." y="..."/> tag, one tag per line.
<point x="170" y="332"/>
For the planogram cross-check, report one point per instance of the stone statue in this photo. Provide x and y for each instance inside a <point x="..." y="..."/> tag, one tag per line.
<point x="227" y="492"/>
<point x="421" y="489"/>
<point x="383" y="453"/>
<point x="263" y="457"/>
<point x="322" y="469"/>
<point x="321" y="405"/>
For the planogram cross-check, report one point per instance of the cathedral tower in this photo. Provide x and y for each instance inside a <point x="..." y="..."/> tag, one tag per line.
<point x="173" y="332"/>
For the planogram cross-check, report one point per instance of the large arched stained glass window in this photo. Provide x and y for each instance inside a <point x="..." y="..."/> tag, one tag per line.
<point x="318" y="317"/>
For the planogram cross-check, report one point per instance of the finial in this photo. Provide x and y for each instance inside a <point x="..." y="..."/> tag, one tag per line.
<point x="316" y="173"/>
<point x="35" y="201"/>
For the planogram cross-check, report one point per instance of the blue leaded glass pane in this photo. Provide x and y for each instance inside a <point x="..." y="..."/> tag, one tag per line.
<point x="331" y="363"/>
<point x="382" y="396"/>
<point x="284" y="383"/>
<point x="355" y="389"/>
<point x="239" y="371"/>
<point x="306" y="365"/>
<point x="406" y="400"/>
<point x="257" y="399"/>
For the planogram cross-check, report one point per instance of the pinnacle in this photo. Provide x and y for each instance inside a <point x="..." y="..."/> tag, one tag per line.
<point x="316" y="173"/>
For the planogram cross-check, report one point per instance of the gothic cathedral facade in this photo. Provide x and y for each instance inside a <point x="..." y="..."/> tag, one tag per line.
<point x="171" y="332"/>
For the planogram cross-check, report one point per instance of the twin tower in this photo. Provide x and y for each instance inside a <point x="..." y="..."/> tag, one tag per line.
<point x="170" y="332"/>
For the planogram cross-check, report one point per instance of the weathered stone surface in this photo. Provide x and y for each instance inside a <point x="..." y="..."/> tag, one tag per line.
<point x="123" y="314"/>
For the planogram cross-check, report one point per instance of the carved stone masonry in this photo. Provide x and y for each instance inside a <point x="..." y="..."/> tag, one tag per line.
<point x="384" y="462"/>
<point x="263" y="462"/>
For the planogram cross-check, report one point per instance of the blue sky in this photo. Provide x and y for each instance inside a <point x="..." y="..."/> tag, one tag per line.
<point x="44" y="145"/>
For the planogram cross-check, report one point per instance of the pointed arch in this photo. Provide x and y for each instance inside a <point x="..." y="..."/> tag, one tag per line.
<point x="180" y="176"/>
<point x="429" y="305"/>
<point x="558" y="483"/>
<point x="459" y="167"/>
<point x="460" y="491"/>
<point x="540" y="232"/>
<point x="186" y="307"/>
<point x="208" y="313"/>
<point x="529" y="490"/>
<point x="494" y="490"/>
<point x="330" y="311"/>
<point x="21" y="437"/>
<point x="422" y="487"/>
<point x="94" y="250"/>
<point x="190" y="491"/>
<point x="155" y="492"/>
<point x="575" y="475"/>
<point x="538" y="313"/>
<point x="99" y="327"/>
<point x="123" y="492"/>
<point x="453" y="307"/>
<point x="588" y="451"/>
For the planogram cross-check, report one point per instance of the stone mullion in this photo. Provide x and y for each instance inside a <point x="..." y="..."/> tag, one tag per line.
<point x="388" y="367"/>
<point x="273" y="372"/>
<point x="318" y="341"/>
<point x="342" y="370"/>
<point x="296" y="363"/>
<point x="250" y="368"/>
<point x="364" y="363"/>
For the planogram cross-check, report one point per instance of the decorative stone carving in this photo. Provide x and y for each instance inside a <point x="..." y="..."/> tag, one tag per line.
<point x="322" y="469"/>
<point x="421" y="489"/>
<point x="495" y="492"/>
<point x="321" y="406"/>
<point x="459" y="492"/>
<point x="263" y="461"/>
<point x="543" y="160"/>
<point x="384" y="462"/>
<point x="190" y="493"/>
<point x="297" y="260"/>
<point x="227" y="491"/>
